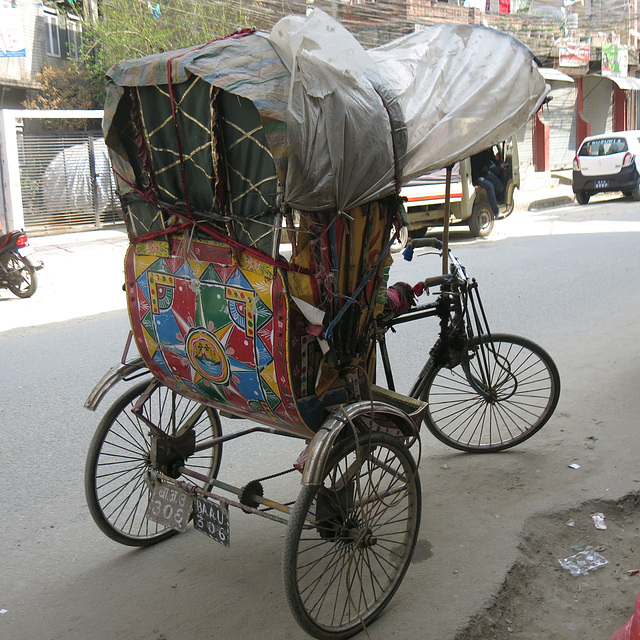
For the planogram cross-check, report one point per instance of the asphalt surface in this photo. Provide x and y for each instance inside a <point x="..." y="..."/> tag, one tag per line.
<point x="65" y="581"/>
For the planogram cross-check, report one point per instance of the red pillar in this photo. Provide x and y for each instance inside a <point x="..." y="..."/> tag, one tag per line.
<point x="583" y="126"/>
<point x="540" y="142"/>
<point x="619" y="108"/>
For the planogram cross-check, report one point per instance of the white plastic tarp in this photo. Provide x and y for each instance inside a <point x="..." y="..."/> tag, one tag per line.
<point x="68" y="183"/>
<point x="449" y="91"/>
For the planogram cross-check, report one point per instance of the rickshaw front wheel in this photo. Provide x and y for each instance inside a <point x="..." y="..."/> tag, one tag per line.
<point x="350" y="539"/>
<point x="117" y="472"/>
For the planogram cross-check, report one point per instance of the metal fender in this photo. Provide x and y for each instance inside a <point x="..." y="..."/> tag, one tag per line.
<point x="324" y="440"/>
<point x="111" y="378"/>
<point x="36" y="264"/>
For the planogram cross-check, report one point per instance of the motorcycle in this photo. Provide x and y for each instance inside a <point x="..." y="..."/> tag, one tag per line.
<point x="17" y="266"/>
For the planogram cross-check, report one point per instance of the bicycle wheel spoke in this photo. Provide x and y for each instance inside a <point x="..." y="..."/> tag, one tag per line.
<point x="119" y="459"/>
<point x="129" y="501"/>
<point x="504" y="393"/>
<point x="343" y="571"/>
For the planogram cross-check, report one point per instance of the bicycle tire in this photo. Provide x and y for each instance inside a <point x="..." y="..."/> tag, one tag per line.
<point x="340" y="572"/>
<point x="521" y="395"/>
<point x="118" y="461"/>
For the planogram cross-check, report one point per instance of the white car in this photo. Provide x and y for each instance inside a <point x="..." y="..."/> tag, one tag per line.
<point x="607" y="162"/>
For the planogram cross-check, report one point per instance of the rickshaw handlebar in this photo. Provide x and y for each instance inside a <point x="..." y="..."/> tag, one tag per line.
<point x="436" y="281"/>
<point x="457" y="270"/>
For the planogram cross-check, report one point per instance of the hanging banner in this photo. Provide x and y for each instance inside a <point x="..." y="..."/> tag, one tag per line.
<point x="12" y="42"/>
<point x="574" y="55"/>
<point x="615" y="60"/>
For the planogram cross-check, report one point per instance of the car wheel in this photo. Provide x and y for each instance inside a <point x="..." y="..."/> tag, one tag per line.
<point x="582" y="197"/>
<point x="401" y="241"/>
<point x="481" y="220"/>
<point x="635" y="194"/>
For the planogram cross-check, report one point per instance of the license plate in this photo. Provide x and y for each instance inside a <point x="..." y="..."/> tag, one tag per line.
<point x="602" y="184"/>
<point x="170" y="506"/>
<point x="25" y="251"/>
<point x="212" y="520"/>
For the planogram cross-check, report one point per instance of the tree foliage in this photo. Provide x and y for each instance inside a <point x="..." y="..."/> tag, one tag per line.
<point x="62" y="88"/>
<point x="65" y="87"/>
<point x="115" y="30"/>
<point x="127" y="29"/>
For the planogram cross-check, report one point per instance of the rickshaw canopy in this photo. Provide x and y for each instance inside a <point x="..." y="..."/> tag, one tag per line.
<point x="226" y="152"/>
<point x="311" y="118"/>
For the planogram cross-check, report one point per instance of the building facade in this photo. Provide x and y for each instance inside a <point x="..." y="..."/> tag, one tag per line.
<point x="33" y="35"/>
<point x="588" y="53"/>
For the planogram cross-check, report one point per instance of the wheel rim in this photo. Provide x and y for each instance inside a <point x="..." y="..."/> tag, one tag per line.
<point x="23" y="276"/>
<point x="502" y="396"/>
<point x="484" y="218"/>
<point x="351" y="560"/>
<point x="401" y="241"/>
<point x="121" y="470"/>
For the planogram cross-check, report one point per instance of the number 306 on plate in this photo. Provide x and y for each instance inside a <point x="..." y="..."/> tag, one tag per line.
<point x="170" y="506"/>
<point x="212" y="520"/>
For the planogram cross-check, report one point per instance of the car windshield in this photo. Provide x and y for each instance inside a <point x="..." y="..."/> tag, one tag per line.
<point x="604" y="147"/>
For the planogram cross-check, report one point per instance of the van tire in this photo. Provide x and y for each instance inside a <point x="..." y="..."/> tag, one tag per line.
<point x="401" y="241"/>
<point x="481" y="220"/>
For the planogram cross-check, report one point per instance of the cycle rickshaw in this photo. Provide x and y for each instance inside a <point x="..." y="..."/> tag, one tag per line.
<point x="259" y="175"/>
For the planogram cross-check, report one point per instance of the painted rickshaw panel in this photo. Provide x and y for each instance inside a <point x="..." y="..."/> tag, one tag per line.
<point x="215" y="330"/>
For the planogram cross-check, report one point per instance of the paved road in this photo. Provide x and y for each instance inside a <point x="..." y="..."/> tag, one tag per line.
<point x="566" y="278"/>
<point x="83" y="276"/>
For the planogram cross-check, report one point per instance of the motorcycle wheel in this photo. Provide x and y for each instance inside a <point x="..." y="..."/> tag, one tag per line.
<point x="21" y="276"/>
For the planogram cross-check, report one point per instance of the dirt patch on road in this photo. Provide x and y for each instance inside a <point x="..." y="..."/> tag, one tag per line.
<point x="541" y="600"/>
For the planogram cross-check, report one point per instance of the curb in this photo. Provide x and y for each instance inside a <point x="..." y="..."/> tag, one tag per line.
<point x="550" y="203"/>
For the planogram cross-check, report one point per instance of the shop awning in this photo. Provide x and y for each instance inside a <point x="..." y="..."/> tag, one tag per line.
<point x="632" y="84"/>
<point x="554" y="74"/>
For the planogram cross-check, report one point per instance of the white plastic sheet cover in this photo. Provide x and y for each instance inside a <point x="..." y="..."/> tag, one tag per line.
<point x="340" y="135"/>
<point x="449" y="91"/>
<point x="462" y="88"/>
<point x="68" y="183"/>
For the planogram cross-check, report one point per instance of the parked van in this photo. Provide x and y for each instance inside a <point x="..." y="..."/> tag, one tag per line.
<point x="425" y="197"/>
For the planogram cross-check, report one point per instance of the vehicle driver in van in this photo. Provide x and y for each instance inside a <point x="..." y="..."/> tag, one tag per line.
<point x="485" y="168"/>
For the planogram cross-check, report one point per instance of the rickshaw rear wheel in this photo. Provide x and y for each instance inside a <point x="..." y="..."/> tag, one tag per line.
<point x="350" y="539"/>
<point x="117" y="480"/>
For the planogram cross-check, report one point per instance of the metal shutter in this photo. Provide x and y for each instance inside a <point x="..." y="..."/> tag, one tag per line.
<point x="66" y="180"/>
<point x="598" y="103"/>
<point x="560" y="114"/>
<point x="525" y="149"/>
